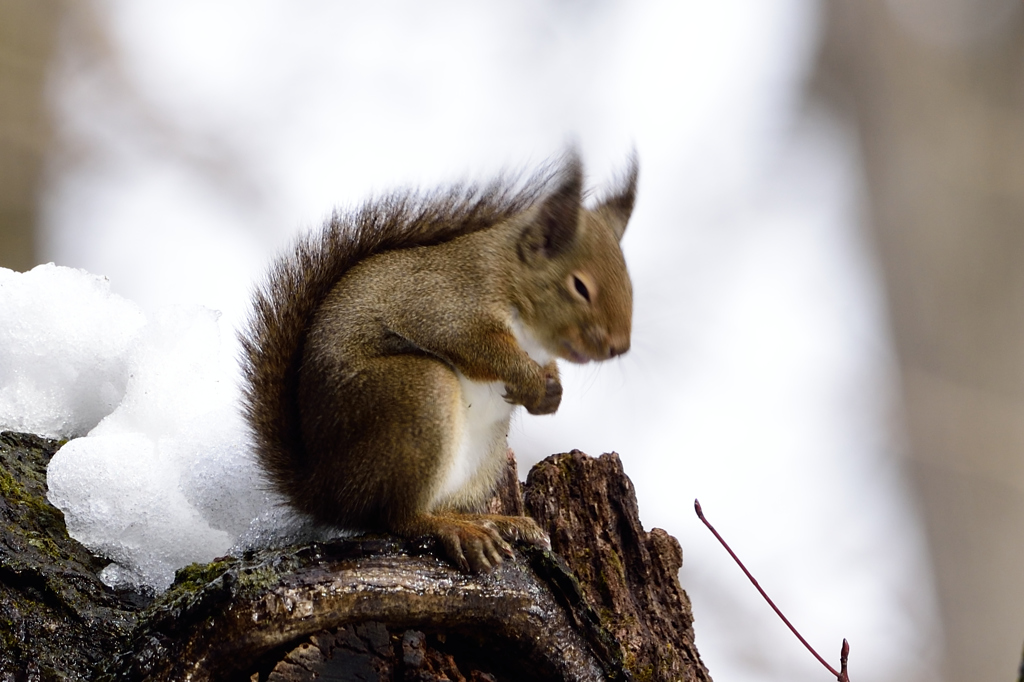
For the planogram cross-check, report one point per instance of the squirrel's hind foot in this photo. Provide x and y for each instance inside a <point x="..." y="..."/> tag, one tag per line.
<point x="516" y="529"/>
<point x="478" y="543"/>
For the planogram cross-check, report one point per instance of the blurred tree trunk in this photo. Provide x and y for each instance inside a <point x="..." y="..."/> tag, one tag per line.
<point x="28" y="31"/>
<point x="938" y="94"/>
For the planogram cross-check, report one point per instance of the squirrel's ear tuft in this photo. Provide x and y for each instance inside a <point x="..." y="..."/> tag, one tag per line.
<point x="617" y="208"/>
<point x="554" y="226"/>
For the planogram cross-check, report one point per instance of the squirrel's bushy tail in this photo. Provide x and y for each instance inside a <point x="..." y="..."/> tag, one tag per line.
<point x="284" y="304"/>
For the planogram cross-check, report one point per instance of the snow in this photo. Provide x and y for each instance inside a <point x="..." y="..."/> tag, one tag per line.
<point x="158" y="472"/>
<point x="63" y="350"/>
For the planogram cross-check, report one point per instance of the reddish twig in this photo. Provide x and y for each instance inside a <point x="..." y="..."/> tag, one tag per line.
<point x="841" y="675"/>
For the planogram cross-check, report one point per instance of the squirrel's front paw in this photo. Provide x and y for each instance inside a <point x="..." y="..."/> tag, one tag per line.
<point x="551" y="400"/>
<point x="539" y="403"/>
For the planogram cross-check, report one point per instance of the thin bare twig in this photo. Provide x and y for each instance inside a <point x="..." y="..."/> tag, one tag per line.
<point x="841" y="675"/>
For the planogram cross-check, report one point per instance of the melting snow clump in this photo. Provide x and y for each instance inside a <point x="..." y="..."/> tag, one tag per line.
<point x="161" y="474"/>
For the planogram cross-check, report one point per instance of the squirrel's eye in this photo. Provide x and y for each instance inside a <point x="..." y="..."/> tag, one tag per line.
<point x="581" y="288"/>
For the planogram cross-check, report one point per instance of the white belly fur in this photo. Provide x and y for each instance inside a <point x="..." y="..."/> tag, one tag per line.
<point x="480" y="437"/>
<point x="482" y="428"/>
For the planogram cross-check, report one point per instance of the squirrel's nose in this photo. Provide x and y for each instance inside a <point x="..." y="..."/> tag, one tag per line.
<point x="617" y="350"/>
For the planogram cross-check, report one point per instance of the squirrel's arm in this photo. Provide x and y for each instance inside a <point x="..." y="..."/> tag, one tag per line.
<point x="489" y="351"/>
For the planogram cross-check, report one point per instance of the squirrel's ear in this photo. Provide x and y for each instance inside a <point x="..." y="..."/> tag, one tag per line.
<point x="554" y="226"/>
<point x="617" y="208"/>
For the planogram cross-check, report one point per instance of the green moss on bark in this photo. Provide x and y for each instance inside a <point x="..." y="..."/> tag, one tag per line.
<point x="57" y="620"/>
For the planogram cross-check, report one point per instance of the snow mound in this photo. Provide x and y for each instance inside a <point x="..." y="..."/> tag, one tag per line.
<point x="162" y="473"/>
<point x="63" y="350"/>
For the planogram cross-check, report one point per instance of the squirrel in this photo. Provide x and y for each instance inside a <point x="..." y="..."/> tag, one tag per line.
<point x="385" y="355"/>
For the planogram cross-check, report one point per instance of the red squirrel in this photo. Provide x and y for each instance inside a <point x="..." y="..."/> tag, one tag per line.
<point x="386" y="354"/>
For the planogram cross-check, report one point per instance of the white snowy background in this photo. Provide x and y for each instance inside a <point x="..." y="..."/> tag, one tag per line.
<point x="197" y="138"/>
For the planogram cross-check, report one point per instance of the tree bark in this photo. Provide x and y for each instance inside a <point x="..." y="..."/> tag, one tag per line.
<point x="604" y="605"/>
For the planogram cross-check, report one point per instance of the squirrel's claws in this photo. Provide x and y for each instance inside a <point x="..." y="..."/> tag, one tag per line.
<point x="481" y="543"/>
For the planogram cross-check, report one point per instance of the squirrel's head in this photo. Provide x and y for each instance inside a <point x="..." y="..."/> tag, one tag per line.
<point x="577" y="298"/>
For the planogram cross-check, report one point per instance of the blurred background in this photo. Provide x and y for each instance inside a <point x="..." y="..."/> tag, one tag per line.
<point x="827" y="254"/>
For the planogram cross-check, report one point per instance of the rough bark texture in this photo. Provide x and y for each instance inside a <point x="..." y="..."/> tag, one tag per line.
<point x="589" y="508"/>
<point x="57" y="620"/>
<point x="508" y="498"/>
<point x="372" y="608"/>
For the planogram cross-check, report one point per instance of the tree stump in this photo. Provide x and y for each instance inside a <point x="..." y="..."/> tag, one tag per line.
<point x="605" y="604"/>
